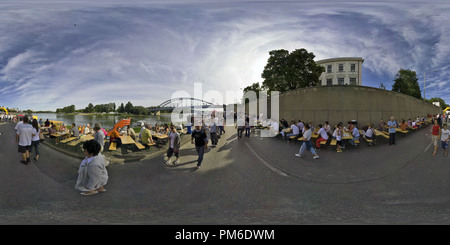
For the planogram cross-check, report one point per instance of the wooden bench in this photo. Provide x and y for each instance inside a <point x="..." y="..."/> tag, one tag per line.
<point x="368" y="141"/>
<point x="139" y="146"/>
<point x="74" y="143"/>
<point x="333" y="142"/>
<point x="113" y="146"/>
<point x="356" y="142"/>
<point x="68" y="139"/>
<point x="323" y="142"/>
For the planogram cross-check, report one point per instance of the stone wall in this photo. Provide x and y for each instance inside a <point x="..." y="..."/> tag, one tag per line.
<point x="344" y="103"/>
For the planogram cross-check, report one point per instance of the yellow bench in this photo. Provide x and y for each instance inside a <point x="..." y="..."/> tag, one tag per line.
<point x="74" y="143"/>
<point x="113" y="146"/>
<point x="356" y="141"/>
<point x="68" y="139"/>
<point x="333" y="142"/>
<point x="323" y="142"/>
<point x="139" y="145"/>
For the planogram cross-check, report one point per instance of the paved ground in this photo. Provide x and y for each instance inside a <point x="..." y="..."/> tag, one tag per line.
<point x="247" y="181"/>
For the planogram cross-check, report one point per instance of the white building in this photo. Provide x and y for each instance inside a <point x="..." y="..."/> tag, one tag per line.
<point x="341" y="71"/>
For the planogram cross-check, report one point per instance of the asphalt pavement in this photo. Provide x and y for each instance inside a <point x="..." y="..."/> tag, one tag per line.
<point x="242" y="181"/>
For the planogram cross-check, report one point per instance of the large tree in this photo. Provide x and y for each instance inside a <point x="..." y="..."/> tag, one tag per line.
<point x="405" y="82"/>
<point x="286" y="71"/>
<point x="440" y="100"/>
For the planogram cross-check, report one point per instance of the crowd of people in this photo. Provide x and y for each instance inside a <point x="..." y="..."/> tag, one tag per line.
<point x="93" y="176"/>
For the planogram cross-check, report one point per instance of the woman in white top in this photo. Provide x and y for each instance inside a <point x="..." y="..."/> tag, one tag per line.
<point x="307" y="143"/>
<point x="35" y="139"/>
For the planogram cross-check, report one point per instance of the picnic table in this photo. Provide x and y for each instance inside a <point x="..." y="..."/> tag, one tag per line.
<point x="59" y="135"/>
<point x="400" y="130"/>
<point x="126" y="140"/>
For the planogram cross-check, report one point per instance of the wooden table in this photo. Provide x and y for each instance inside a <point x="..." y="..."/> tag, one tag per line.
<point x="86" y="138"/>
<point x="347" y="136"/>
<point x="58" y="135"/>
<point x="126" y="140"/>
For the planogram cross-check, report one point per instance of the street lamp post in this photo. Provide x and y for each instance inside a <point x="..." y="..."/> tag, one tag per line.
<point x="424" y="79"/>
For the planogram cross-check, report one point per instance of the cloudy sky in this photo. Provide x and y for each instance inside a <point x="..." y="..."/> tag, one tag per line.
<point x="59" y="53"/>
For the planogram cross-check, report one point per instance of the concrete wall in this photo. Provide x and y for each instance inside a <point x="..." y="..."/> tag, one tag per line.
<point x="344" y="103"/>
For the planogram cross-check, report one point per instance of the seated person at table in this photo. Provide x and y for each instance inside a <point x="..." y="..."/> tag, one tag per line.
<point x="369" y="134"/>
<point x="382" y="126"/>
<point x="157" y="128"/>
<point x="327" y="128"/>
<point x="74" y="131"/>
<point x="41" y="123"/>
<point x="355" y="134"/>
<point x="403" y="126"/>
<point x="311" y="126"/>
<point x="284" y="124"/>
<point x="47" y="123"/>
<point x="62" y="128"/>
<point x="164" y="129"/>
<point x="87" y="129"/>
<point x="323" y="136"/>
<point x="294" y="130"/>
<point x="300" y="126"/>
<point x="409" y="123"/>
<point x="115" y="137"/>
<point x="52" y="130"/>
<point x="146" y="136"/>
<point x="131" y="133"/>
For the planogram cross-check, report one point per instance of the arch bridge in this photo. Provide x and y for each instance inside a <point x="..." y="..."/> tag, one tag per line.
<point x="183" y="103"/>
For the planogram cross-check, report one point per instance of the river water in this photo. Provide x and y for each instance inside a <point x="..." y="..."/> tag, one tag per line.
<point x="107" y="121"/>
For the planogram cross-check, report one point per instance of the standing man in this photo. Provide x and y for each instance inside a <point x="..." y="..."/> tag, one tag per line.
<point x="213" y="132"/>
<point x="174" y="147"/>
<point x="391" y="128"/>
<point x="201" y="143"/>
<point x="24" y="137"/>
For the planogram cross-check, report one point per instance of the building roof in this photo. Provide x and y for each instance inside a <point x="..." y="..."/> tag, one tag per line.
<point x="340" y="59"/>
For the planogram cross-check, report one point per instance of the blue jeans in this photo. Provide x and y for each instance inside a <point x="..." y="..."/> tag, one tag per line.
<point x="307" y="145"/>
<point x="352" y="141"/>
<point x="35" y="144"/>
<point x="247" y="132"/>
<point x="201" y="152"/>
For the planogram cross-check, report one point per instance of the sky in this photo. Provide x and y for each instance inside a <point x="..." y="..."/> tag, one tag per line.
<point x="59" y="53"/>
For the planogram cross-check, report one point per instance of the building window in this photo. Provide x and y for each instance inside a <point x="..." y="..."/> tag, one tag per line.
<point x="352" y="81"/>
<point x="341" y="67"/>
<point x="341" y="81"/>
<point x="352" y="67"/>
<point x="329" y="82"/>
<point x="329" y="70"/>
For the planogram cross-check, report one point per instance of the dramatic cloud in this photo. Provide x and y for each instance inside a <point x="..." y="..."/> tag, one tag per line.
<point x="56" y="53"/>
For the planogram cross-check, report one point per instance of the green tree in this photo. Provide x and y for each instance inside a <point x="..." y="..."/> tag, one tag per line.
<point x="405" y="82"/>
<point x="128" y="107"/>
<point x="121" y="108"/>
<point x="442" y="103"/>
<point x="89" y="108"/>
<point x="286" y="71"/>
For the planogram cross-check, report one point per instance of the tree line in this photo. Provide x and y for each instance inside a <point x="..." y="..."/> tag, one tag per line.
<point x="107" y="108"/>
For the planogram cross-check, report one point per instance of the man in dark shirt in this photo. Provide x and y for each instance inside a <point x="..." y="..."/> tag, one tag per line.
<point x="201" y="143"/>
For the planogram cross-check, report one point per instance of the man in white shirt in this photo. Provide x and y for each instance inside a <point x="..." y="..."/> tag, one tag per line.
<point x="323" y="136"/>
<point x="24" y="137"/>
<point x="294" y="129"/>
<point x="355" y="133"/>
